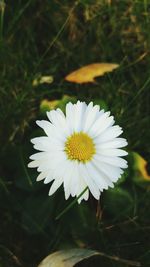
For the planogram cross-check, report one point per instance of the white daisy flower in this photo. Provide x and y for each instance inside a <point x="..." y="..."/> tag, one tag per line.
<point x="81" y="149"/>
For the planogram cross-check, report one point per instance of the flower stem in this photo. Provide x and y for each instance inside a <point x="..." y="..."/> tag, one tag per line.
<point x="70" y="205"/>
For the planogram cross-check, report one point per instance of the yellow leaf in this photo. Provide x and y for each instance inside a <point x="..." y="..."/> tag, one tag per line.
<point x="42" y="79"/>
<point x="88" y="73"/>
<point x="47" y="105"/>
<point x="141" y="166"/>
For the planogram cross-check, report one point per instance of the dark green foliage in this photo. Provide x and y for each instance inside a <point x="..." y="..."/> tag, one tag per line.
<point x="54" y="38"/>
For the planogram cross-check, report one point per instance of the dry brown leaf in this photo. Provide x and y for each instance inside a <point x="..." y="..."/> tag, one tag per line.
<point x="88" y="73"/>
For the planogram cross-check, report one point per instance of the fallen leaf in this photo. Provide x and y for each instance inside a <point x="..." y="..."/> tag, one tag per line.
<point x="47" y="105"/>
<point x="70" y="257"/>
<point x="140" y="165"/>
<point x="67" y="258"/>
<point x="88" y="73"/>
<point x="42" y="79"/>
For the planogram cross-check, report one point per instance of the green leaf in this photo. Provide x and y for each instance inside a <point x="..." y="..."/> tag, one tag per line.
<point x="101" y="103"/>
<point x="37" y="212"/>
<point x="118" y="202"/>
<point x="47" y="105"/>
<point x="65" y="99"/>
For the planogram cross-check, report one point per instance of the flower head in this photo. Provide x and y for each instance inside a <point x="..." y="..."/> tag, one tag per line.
<point x="81" y="149"/>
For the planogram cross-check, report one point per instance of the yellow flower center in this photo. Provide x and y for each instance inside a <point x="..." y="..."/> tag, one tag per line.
<point x="80" y="146"/>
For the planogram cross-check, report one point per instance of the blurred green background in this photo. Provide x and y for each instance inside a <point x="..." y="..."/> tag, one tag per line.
<point x="53" y="38"/>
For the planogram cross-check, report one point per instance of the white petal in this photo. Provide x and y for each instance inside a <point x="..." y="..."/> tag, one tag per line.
<point x="111" y="152"/>
<point x="49" y="177"/>
<point x="33" y="164"/>
<point x="56" y="184"/>
<point x="109" y="134"/>
<point x="116" y="143"/>
<point x="39" y="156"/>
<point x="78" y="184"/>
<point x="100" y="178"/>
<point x="61" y="113"/>
<point x="52" y="161"/>
<point x="46" y="126"/>
<point x="40" y="139"/>
<point x="43" y="166"/>
<point x="81" y="187"/>
<point x="41" y="143"/>
<point x="41" y="176"/>
<point x="54" y="133"/>
<point x="86" y="195"/>
<point x="68" y="179"/>
<point x="112" y="172"/>
<point x="59" y="121"/>
<point x="80" y="109"/>
<point x="115" y="161"/>
<point x="90" y="183"/>
<point x="75" y="179"/>
<point x="61" y="168"/>
<point x="101" y="124"/>
<point x="70" y="116"/>
<point x="90" y="116"/>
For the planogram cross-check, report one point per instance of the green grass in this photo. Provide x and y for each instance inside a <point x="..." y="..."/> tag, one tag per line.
<point x="54" y="38"/>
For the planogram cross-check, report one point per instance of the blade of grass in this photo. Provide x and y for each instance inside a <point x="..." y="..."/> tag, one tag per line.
<point x="25" y="169"/>
<point x="4" y="186"/>
<point x="17" y="17"/>
<point x="2" y="10"/>
<point x="56" y="37"/>
<point x="138" y="93"/>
